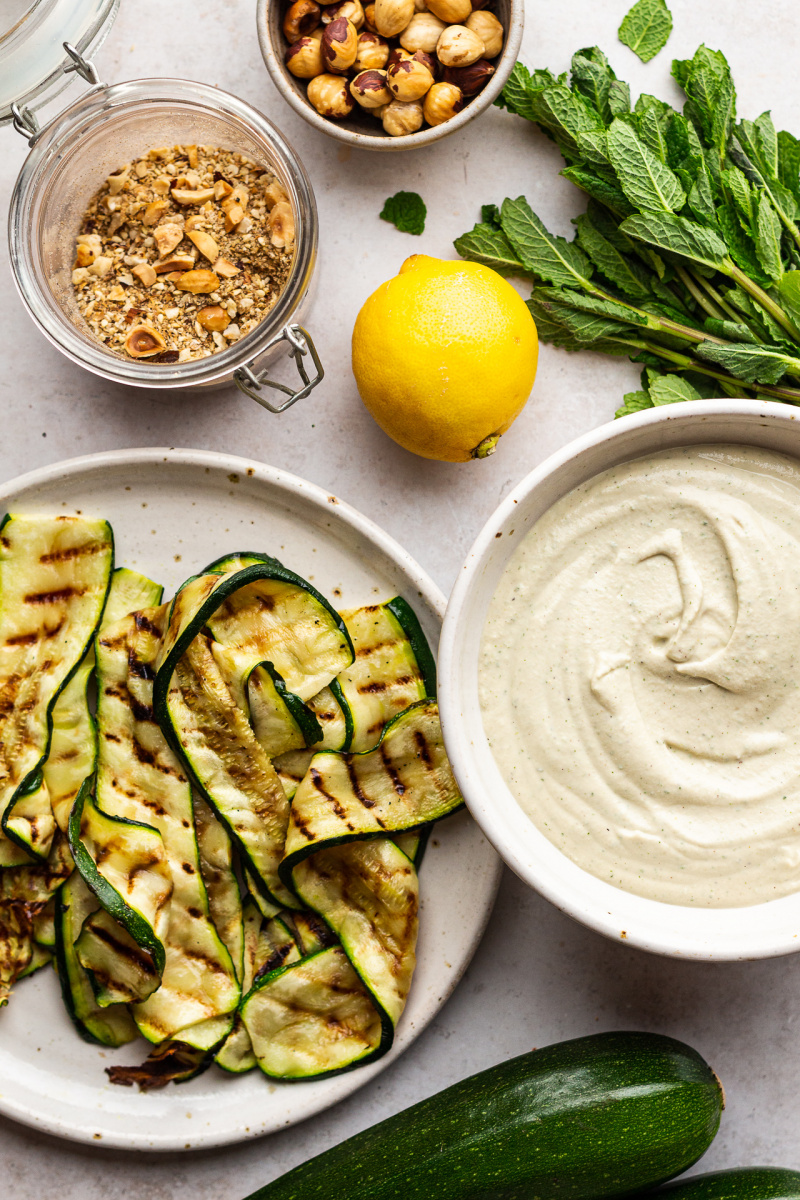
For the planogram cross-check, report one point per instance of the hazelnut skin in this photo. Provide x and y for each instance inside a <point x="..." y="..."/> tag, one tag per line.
<point x="398" y="55"/>
<point x="304" y="58"/>
<point x="392" y="16"/>
<point x="471" y="79"/>
<point x="369" y="89"/>
<point x="489" y="30"/>
<point x="458" y="47"/>
<point x="330" y="96"/>
<point x="428" y="60"/>
<point x="402" y="117"/>
<point x="339" y="45"/>
<point x="422" y="33"/>
<point x="442" y="103"/>
<point x="409" y="80"/>
<point x="372" y="53"/>
<point x="301" y="18"/>
<point x="452" y="12"/>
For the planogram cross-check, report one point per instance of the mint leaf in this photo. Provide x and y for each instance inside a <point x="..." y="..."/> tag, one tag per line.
<point x="592" y="77"/>
<point x="600" y="189"/>
<point x="789" y="288"/>
<point x="671" y="389"/>
<point x="553" y="259"/>
<point x="490" y="246"/>
<point x="749" y="363"/>
<point x="686" y="238"/>
<point x="768" y="238"/>
<point x="490" y="215"/>
<point x="648" y="182"/>
<point x="622" y="271"/>
<point x="646" y="28"/>
<point x="732" y="331"/>
<point x="634" y="402"/>
<point x="583" y="329"/>
<point x="407" y="211"/>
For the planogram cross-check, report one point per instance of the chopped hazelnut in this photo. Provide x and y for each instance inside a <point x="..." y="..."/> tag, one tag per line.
<point x="191" y="195"/>
<point x="142" y="341"/>
<point x="197" y="282"/>
<point x="167" y="237"/>
<point x="213" y="318"/>
<point x="205" y="243"/>
<point x="145" y="274"/>
<point x="281" y="224"/>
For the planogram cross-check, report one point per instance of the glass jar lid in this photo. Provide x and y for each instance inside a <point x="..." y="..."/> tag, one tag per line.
<point x="34" y="65"/>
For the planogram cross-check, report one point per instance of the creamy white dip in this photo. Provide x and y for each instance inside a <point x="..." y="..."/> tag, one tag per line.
<point x="640" y="675"/>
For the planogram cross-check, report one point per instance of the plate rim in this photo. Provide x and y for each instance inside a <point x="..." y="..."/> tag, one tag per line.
<point x="326" y="501"/>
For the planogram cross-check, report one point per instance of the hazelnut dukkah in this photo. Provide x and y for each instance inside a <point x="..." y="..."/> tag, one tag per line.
<point x="408" y="62"/>
<point x="182" y="252"/>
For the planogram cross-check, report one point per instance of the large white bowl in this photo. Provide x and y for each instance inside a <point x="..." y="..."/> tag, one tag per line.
<point x="758" y="931"/>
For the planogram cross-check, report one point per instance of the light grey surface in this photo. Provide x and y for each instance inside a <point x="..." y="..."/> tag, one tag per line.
<point x="537" y="977"/>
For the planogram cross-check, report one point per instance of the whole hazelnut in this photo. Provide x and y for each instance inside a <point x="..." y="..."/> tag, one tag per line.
<point x="369" y="18"/>
<point x="469" y="79"/>
<point x="452" y="12"/>
<point x="330" y="96"/>
<point x="458" y="47"/>
<point x="351" y="9"/>
<point x="304" y="58"/>
<point x="301" y="18"/>
<point x="409" y="80"/>
<point x="402" y="117"/>
<point x="369" y="89"/>
<point x="339" y="45"/>
<point x="442" y="102"/>
<point x="422" y="33"/>
<point x="372" y="53"/>
<point x="392" y="16"/>
<point x="489" y="30"/>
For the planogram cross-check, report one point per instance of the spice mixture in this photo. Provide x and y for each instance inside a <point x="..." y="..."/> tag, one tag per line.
<point x="182" y="253"/>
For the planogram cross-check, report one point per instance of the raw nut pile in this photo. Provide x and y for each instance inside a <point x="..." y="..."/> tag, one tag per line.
<point x="182" y="252"/>
<point x="408" y="62"/>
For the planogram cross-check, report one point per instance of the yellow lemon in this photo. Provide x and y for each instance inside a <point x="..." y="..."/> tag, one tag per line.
<point x="444" y="356"/>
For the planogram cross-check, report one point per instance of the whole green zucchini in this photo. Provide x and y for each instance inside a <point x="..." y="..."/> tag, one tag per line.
<point x="743" y="1183"/>
<point x="597" y="1117"/>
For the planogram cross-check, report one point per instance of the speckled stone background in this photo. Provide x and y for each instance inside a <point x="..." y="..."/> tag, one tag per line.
<point x="537" y="977"/>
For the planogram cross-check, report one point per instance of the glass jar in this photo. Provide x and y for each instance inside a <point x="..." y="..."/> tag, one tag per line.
<point x="71" y="158"/>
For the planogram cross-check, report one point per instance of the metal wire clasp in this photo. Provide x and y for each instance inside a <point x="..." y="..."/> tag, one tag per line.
<point x="300" y="344"/>
<point x="25" y="121"/>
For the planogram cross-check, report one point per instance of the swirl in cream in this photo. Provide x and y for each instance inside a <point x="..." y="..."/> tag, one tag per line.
<point x="640" y="675"/>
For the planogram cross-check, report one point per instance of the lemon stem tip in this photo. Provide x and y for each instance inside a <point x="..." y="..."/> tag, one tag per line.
<point x="486" y="447"/>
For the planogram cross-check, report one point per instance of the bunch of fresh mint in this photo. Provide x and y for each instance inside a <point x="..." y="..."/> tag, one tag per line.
<point x="688" y="255"/>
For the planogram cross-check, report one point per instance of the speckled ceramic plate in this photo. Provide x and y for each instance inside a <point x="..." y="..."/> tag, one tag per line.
<point x="172" y="511"/>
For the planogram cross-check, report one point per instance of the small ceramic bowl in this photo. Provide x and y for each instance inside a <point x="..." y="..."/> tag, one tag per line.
<point x="361" y="130"/>
<point x="759" y="931"/>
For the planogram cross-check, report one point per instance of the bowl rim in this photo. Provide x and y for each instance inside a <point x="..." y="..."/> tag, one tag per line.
<point x="763" y="930"/>
<point x="504" y="64"/>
